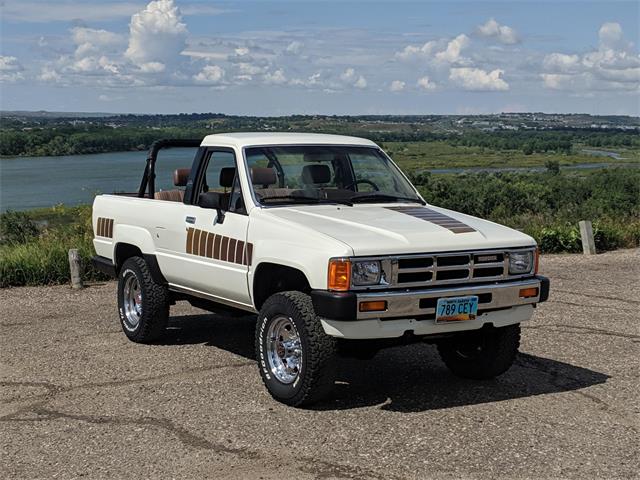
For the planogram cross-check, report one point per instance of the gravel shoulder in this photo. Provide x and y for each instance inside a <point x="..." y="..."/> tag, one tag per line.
<point x="78" y="399"/>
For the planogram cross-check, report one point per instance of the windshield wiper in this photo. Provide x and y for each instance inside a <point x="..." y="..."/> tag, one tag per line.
<point x="305" y="199"/>
<point x="374" y="197"/>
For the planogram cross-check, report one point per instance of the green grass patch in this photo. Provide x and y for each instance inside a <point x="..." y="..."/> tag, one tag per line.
<point x="419" y="156"/>
<point x="43" y="258"/>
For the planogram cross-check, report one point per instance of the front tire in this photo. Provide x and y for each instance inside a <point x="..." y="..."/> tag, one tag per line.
<point x="481" y="354"/>
<point x="295" y="356"/>
<point x="143" y="304"/>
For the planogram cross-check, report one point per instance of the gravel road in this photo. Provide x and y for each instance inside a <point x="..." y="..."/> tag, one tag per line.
<point x="78" y="399"/>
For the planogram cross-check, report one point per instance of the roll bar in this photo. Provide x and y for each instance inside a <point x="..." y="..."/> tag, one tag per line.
<point x="149" y="177"/>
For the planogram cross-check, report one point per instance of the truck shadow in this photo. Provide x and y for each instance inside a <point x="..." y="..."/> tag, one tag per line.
<point x="409" y="378"/>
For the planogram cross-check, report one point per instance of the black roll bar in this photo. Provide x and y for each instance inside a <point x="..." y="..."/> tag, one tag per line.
<point x="149" y="177"/>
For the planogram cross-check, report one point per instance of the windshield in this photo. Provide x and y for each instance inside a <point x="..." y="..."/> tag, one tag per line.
<point x="325" y="174"/>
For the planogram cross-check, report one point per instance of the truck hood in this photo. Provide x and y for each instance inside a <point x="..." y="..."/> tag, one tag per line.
<point x="402" y="228"/>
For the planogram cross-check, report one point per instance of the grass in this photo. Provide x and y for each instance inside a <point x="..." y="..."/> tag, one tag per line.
<point x="43" y="259"/>
<point x="416" y="156"/>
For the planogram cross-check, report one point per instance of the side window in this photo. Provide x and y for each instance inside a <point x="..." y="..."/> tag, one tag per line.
<point x="221" y="176"/>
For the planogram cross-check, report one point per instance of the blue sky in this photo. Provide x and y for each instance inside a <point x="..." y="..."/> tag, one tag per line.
<point x="276" y="57"/>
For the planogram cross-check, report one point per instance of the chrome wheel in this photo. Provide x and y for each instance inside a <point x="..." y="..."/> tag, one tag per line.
<point x="284" y="350"/>
<point x="132" y="301"/>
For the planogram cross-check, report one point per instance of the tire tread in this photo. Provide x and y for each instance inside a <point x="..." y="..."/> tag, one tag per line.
<point x="155" y="307"/>
<point x="320" y="355"/>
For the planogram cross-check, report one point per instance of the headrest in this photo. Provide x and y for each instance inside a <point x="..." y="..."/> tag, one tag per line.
<point x="181" y="176"/>
<point x="313" y="174"/>
<point x="263" y="176"/>
<point x="226" y="176"/>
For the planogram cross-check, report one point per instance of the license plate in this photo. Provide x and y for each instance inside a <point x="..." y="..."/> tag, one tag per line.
<point x="456" y="309"/>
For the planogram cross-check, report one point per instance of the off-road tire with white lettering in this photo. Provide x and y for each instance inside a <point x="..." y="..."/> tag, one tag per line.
<point x="481" y="354"/>
<point x="155" y="303"/>
<point x="317" y="372"/>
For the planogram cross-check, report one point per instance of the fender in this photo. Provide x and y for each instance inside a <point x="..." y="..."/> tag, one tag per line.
<point x="137" y="236"/>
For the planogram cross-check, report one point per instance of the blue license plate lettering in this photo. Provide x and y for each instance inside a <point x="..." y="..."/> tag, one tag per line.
<point x="457" y="309"/>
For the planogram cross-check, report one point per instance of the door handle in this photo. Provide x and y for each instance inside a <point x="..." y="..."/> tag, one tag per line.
<point x="190" y="220"/>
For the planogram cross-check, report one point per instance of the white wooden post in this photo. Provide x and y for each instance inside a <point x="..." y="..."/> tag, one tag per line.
<point x="74" y="268"/>
<point x="588" y="243"/>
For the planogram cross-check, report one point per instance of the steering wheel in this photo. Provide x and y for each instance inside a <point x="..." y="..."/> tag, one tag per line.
<point x="362" y="180"/>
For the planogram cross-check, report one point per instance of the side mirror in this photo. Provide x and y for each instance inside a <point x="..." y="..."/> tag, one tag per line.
<point x="213" y="200"/>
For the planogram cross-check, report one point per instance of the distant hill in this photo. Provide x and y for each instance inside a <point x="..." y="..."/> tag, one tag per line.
<point x="46" y="114"/>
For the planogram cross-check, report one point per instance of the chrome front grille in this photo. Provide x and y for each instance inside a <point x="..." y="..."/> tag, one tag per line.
<point x="424" y="270"/>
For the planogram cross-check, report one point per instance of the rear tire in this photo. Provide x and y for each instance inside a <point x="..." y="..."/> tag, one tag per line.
<point x="143" y="304"/>
<point x="481" y="354"/>
<point x="295" y="356"/>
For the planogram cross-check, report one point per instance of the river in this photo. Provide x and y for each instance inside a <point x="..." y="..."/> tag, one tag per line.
<point x="34" y="182"/>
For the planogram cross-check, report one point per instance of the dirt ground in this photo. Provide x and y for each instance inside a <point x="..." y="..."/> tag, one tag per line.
<point x="78" y="399"/>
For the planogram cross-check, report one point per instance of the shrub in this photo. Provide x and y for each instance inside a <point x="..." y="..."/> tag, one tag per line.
<point x="43" y="260"/>
<point x="16" y="227"/>
<point x="559" y="239"/>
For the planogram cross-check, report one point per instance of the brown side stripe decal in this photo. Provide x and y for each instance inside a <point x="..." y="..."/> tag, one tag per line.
<point x="218" y="247"/>
<point x="440" y="219"/>
<point x="105" y="227"/>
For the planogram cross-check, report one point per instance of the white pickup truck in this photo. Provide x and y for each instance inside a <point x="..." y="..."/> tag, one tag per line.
<point x="327" y="241"/>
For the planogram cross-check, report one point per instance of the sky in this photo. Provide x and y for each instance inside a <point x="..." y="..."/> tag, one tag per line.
<point x="320" y="57"/>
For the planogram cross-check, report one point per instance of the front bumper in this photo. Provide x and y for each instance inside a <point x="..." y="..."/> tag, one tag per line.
<point x="421" y="304"/>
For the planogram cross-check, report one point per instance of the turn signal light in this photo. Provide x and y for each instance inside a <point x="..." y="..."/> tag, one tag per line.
<point x="529" y="292"/>
<point x="339" y="275"/>
<point x="377" y="306"/>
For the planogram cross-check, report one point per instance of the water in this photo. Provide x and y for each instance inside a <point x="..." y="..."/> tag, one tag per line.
<point x="603" y="153"/>
<point x="33" y="182"/>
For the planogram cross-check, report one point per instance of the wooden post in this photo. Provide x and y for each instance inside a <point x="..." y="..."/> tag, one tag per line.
<point x="74" y="268"/>
<point x="588" y="243"/>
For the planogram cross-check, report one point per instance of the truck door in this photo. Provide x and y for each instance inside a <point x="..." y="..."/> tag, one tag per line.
<point x="214" y="247"/>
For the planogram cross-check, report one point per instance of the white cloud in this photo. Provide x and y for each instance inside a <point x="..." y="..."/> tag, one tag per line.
<point x="610" y="35"/>
<point x="49" y="75"/>
<point x="210" y="75"/>
<point x="153" y="67"/>
<point x="501" y="33"/>
<point x="425" y="51"/>
<point x="349" y="75"/>
<point x="246" y="68"/>
<point x="90" y="41"/>
<point x="157" y="34"/>
<point x="613" y="66"/>
<point x="275" y="78"/>
<point x="441" y="50"/>
<point x="361" y="82"/>
<point x="351" y="78"/>
<point x="294" y="48"/>
<point x="10" y="69"/>
<point x="478" y="79"/>
<point x="397" y="86"/>
<point x="9" y="64"/>
<point x="425" y="83"/>
<point x="557" y="81"/>
<point x="452" y="53"/>
<point x="559" y="62"/>
<point x="314" y="80"/>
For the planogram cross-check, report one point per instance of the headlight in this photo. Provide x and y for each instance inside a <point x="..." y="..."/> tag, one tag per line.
<point x="520" y="262"/>
<point x="365" y="273"/>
